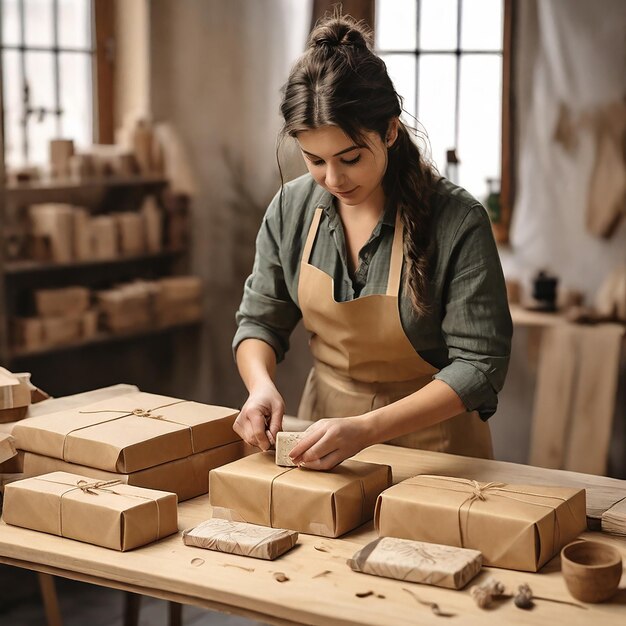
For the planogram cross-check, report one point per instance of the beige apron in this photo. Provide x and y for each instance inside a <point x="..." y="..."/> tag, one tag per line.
<point x="364" y="360"/>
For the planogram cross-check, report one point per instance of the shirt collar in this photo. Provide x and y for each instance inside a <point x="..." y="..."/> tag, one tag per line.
<point x="325" y="199"/>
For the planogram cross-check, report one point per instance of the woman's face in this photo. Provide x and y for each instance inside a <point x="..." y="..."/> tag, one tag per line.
<point x="352" y="173"/>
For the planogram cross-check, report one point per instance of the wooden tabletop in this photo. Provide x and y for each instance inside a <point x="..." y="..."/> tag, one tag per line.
<point x="321" y="588"/>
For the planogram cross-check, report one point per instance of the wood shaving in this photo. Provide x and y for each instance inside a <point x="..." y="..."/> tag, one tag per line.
<point x="434" y="607"/>
<point x="245" y="569"/>
<point x="324" y="573"/>
<point x="364" y="594"/>
<point x="321" y="549"/>
<point x="280" y="577"/>
<point x="197" y="562"/>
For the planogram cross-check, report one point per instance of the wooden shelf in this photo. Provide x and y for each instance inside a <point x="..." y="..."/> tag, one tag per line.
<point x="528" y="317"/>
<point x="17" y="189"/>
<point x="16" y="268"/>
<point x="101" y="338"/>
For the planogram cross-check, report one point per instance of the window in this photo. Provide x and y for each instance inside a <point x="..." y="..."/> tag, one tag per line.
<point x="49" y="61"/>
<point x="445" y="58"/>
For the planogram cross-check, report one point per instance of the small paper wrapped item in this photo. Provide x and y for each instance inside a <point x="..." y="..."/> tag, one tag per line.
<point x="418" y="562"/>
<point x="105" y="513"/>
<point x="187" y="477"/>
<point x="240" y="538"/>
<point x="7" y="447"/>
<point x="128" y="433"/>
<point x="255" y="490"/>
<point x="517" y="527"/>
<point x="15" y="389"/>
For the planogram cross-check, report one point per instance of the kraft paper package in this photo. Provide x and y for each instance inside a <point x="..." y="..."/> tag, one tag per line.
<point x="418" y="562"/>
<point x="241" y="538"/>
<point x="128" y="433"/>
<point x="518" y="527"/>
<point x="255" y="490"/>
<point x="104" y="513"/>
<point x="187" y="477"/>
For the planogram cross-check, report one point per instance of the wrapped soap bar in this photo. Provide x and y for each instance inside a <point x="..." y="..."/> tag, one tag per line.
<point x="285" y="443"/>
<point x="252" y="540"/>
<point x="105" y="513"/>
<point x="418" y="562"/>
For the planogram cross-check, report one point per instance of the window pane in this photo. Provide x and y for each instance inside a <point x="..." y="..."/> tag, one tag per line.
<point x="76" y="98"/>
<point x="481" y="25"/>
<point x="437" y="87"/>
<point x="438" y="25"/>
<point x="40" y="79"/>
<point x="38" y="18"/>
<point x="396" y="24"/>
<point x="75" y="23"/>
<point x="480" y="121"/>
<point x="401" y="69"/>
<point x="10" y="23"/>
<point x="12" y="85"/>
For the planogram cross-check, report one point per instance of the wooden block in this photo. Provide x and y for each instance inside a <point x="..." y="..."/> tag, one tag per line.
<point x="285" y="443"/>
<point x="418" y="562"/>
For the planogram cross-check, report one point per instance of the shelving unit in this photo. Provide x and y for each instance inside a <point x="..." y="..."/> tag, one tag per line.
<point x="107" y="357"/>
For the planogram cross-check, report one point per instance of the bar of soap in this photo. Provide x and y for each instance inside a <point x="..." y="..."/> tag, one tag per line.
<point x="418" y="562"/>
<point x="241" y="538"/>
<point x="285" y="443"/>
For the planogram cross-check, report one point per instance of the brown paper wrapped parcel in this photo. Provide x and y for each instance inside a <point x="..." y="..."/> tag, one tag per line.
<point x="105" y="513"/>
<point x="517" y="527"/>
<point x="255" y="490"/>
<point x="128" y="433"/>
<point x="241" y="538"/>
<point x="418" y="562"/>
<point x="187" y="477"/>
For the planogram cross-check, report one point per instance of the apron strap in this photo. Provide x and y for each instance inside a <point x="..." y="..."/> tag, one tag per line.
<point x="308" y="246"/>
<point x="397" y="257"/>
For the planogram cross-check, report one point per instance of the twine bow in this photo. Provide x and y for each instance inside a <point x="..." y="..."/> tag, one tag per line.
<point x="479" y="492"/>
<point x="146" y="413"/>
<point x="98" y="485"/>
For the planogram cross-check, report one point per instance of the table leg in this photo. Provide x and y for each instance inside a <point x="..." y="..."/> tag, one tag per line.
<point x="50" y="600"/>
<point x="176" y="614"/>
<point x="132" y="604"/>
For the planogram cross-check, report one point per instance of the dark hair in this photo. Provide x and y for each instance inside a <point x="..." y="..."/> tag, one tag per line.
<point x="339" y="81"/>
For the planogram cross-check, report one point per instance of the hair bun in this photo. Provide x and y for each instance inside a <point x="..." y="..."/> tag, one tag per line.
<point x="334" y="33"/>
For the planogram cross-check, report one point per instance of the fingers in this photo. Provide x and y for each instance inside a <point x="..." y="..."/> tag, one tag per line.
<point x="326" y="462"/>
<point x="275" y="422"/>
<point x="313" y="436"/>
<point x="325" y="445"/>
<point x="250" y="426"/>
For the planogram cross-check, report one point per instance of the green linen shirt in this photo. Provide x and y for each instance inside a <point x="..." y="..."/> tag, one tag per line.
<point x="467" y="332"/>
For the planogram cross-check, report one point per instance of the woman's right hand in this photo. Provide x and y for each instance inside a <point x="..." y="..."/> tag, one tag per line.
<point x="261" y="417"/>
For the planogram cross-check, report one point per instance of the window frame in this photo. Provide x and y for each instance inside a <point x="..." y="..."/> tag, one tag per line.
<point x="507" y="165"/>
<point x="102" y="51"/>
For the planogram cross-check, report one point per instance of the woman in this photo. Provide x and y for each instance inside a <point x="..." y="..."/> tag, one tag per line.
<point x="392" y="268"/>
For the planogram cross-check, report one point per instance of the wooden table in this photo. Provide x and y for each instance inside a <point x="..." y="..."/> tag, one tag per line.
<point x="321" y="588"/>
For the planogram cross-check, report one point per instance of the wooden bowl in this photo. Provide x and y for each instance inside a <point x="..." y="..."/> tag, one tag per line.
<point x="592" y="570"/>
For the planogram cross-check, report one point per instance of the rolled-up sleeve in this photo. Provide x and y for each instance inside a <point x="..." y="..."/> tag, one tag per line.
<point x="267" y="311"/>
<point x="476" y="324"/>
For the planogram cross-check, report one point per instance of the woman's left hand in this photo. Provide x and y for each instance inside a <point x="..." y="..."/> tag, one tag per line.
<point x="330" y="441"/>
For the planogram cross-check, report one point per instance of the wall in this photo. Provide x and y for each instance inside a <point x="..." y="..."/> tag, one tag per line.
<point x="216" y="69"/>
<point x="573" y="52"/>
